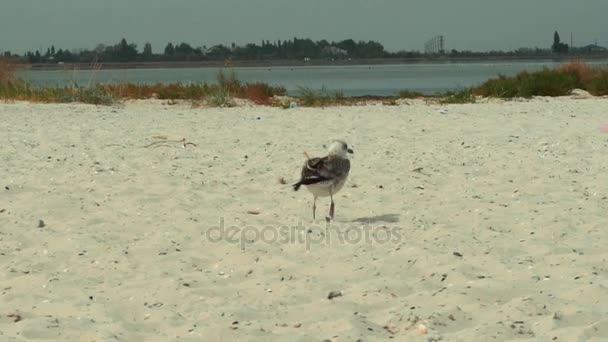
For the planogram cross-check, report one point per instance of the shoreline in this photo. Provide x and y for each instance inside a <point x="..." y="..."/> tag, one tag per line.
<point x="310" y="63"/>
<point x="574" y="77"/>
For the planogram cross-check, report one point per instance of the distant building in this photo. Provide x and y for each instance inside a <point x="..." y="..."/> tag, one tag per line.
<point x="524" y="50"/>
<point x="593" y="48"/>
<point x="334" y="51"/>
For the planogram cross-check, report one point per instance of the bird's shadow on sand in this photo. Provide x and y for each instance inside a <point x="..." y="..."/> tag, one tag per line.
<point x="389" y="218"/>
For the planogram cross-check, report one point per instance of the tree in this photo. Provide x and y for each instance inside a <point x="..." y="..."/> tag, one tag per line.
<point x="349" y="45"/>
<point x="558" y="46"/>
<point x="30" y="57"/>
<point x="169" y="50"/>
<point x="147" y="53"/>
<point x="184" y="51"/>
<point x="126" y="52"/>
<point x="370" y="49"/>
<point x="219" y="52"/>
<point x="556" y="42"/>
<point x="59" y="55"/>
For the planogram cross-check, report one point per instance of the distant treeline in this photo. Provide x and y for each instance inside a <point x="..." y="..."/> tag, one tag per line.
<point x="295" y="49"/>
<point x="285" y="49"/>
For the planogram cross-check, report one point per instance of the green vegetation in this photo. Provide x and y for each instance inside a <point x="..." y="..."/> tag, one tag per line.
<point x="559" y="81"/>
<point x="542" y="83"/>
<point x="408" y="94"/>
<point x="598" y="85"/>
<point x="457" y="97"/>
<point x="311" y="98"/>
<point x="22" y="91"/>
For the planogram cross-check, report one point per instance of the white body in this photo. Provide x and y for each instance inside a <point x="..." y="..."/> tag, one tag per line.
<point x="322" y="189"/>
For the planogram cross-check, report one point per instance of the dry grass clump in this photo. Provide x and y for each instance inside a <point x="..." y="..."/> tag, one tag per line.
<point x="8" y="68"/>
<point x="577" y="67"/>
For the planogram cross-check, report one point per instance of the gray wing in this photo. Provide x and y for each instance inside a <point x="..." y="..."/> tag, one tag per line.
<point x="337" y="167"/>
<point x="317" y="170"/>
<point x="325" y="168"/>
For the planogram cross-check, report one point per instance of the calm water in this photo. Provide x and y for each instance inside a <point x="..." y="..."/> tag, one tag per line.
<point x="350" y="80"/>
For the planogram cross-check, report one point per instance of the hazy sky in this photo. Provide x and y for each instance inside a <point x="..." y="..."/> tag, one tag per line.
<point x="397" y="24"/>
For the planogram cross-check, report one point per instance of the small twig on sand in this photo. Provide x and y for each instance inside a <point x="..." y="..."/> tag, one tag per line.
<point x="419" y="170"/>
<point x="184" y="143"/>
<point x="155" y="144"/>
<point x="164" y="141"/>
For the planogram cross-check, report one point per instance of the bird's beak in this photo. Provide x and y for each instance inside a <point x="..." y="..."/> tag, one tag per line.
<point x="350" y="151"/>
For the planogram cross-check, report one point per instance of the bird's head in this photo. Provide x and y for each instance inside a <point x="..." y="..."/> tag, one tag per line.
<point x="339" y="149"/>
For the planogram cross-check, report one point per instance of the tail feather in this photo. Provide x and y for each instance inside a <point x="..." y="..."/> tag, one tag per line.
<point x="297" y="186"/>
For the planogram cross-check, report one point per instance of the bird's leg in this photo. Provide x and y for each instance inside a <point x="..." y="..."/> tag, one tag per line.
<point x="314" y="207"/>
<point x="331" y="206"/>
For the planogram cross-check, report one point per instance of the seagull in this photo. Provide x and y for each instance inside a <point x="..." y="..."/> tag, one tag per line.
<point x="325" y="176"/>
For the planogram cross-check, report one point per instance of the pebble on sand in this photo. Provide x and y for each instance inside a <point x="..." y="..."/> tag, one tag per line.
<point x="422" y="329"/>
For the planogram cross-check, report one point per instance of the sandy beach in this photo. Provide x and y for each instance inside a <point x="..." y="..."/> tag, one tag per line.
<point x="482" y="222"/>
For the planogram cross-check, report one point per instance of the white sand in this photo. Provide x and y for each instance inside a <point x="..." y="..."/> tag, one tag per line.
<point x="518" y="189"/>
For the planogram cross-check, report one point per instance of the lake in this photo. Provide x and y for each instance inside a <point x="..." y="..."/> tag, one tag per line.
<point x="426" y="78"/>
